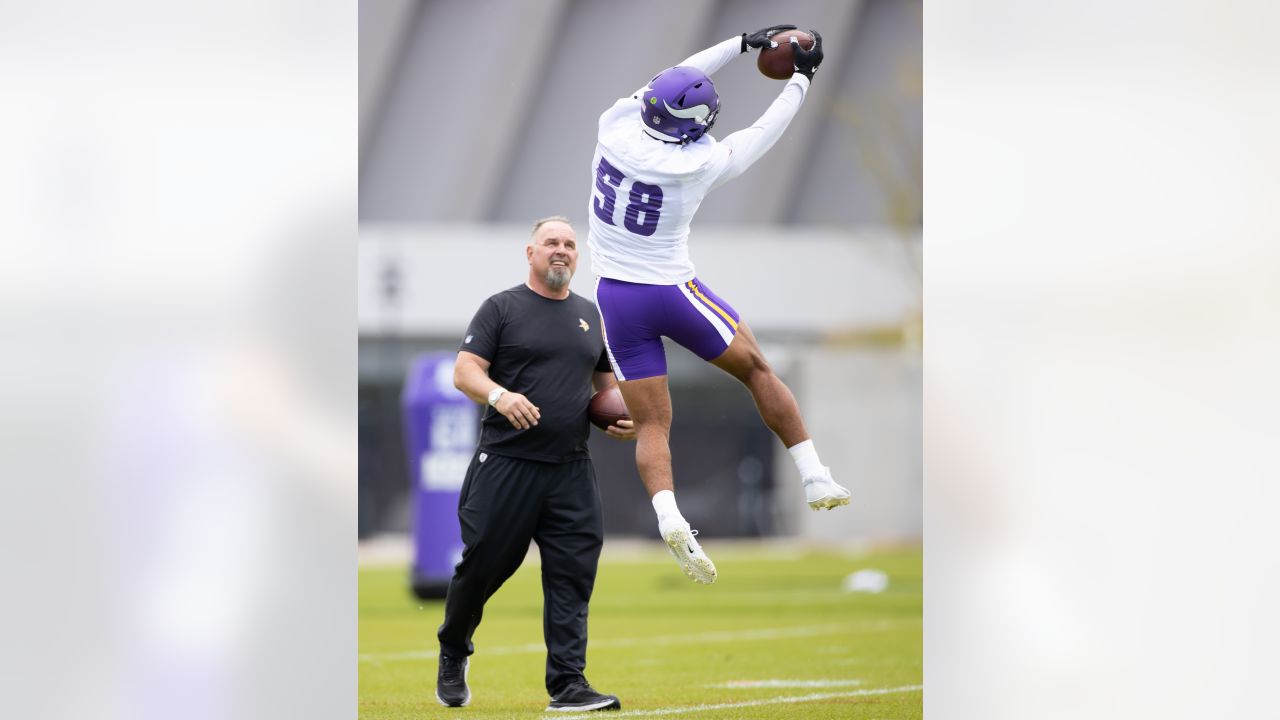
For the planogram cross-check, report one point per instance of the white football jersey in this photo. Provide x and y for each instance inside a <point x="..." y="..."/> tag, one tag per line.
<point x="645" y="191"/>
<point x="645" y="194"/>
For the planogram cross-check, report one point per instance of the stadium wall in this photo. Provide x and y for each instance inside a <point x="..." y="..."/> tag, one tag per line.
<point x="836" y="311"/>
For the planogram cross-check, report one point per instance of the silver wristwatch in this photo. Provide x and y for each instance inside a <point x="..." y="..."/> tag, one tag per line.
<point x="494" y="394"/>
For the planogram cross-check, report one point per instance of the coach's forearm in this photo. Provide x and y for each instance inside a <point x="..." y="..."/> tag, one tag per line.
<point x="473" y="381"/>
<point x="603" y="380"/>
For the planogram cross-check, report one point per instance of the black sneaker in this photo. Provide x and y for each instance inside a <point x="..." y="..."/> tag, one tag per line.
<point x="581" y="698"/>
<point x="451" y="683"/>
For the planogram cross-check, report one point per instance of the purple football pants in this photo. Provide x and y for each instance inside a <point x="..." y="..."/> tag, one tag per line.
<point x="636" y="316"/>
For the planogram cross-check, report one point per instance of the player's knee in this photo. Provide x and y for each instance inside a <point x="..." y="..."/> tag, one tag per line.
<point x="755" y="368"/>
<point x="761" y="380"/>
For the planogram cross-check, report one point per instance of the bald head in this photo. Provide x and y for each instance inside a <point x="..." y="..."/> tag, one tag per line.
<point x="537" y="224"/>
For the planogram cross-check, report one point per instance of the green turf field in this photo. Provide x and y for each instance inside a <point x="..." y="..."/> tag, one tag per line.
<point x="774" y="637"/>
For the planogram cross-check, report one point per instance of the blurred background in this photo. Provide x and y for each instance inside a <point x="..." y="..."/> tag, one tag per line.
<point x="476" y="118"/>
<point x="179" y="299"/>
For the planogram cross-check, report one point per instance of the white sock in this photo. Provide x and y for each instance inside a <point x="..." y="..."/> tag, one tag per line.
<point x="806" y="458"/>
<point x="664" y="504"/>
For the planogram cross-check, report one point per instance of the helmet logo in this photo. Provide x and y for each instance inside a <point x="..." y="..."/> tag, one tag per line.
<point x="697" y="113"/>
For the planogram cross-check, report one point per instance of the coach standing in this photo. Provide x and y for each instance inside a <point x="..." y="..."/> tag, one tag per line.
<point x="533" y="353"/>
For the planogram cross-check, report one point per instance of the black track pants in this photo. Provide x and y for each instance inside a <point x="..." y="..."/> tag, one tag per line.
<point x="505" y="503"/>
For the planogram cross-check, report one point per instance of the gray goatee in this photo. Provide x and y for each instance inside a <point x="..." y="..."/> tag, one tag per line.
<point x="557" y="278"/>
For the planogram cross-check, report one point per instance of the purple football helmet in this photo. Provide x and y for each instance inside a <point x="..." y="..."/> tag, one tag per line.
<point x="680" y="104"/>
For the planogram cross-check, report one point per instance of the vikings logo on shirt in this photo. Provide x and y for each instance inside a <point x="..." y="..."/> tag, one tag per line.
<point x="583" y="324"/>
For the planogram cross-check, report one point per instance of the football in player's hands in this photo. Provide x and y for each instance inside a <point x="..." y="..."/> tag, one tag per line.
<point x="807" y="61"/>
<point x="763" y="38"/>
<point x="607" y="408"/>
<point x="777" y="63"/>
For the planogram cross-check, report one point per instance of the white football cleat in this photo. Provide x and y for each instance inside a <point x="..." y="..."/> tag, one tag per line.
<point x="823" y="492"/>
<point x="695" y="563"/>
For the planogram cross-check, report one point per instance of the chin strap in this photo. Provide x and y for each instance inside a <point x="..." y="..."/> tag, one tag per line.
<point x="661" y="137"/>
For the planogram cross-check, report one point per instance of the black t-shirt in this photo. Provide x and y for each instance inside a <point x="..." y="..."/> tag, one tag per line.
<point x="545" y="350"/>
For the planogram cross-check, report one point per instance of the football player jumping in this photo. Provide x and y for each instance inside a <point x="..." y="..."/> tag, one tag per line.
<point x="655" y="161"/>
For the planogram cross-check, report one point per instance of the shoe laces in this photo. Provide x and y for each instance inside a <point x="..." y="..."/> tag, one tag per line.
<point x="577" y="688"/>
<point x="824" y="476"/>
<point x="450" y="669"/>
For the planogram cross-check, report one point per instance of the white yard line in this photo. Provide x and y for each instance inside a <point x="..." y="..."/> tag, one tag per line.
<point x="722" y="636"/>
<point x="786" y="684"/>
<point x="770" y="701"/>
